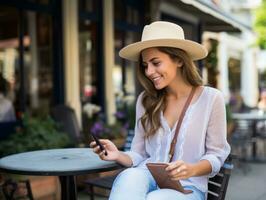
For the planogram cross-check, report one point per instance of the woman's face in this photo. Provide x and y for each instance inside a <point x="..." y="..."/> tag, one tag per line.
<point x="159" y="67"/>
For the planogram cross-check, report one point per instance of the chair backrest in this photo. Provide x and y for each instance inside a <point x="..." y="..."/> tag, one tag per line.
<point x="67" y="119"/>
<point x="243" y="129"/>
<point x="217" y="185"/>
<point x="129" y="138"/>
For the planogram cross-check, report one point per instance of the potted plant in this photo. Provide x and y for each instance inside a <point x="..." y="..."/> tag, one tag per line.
<point x="35" y="133"/>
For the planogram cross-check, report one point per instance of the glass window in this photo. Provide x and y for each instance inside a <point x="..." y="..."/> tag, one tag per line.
<point x="128" y="27"/>
<point x="38" y="62"/>
<point x="44" y="2"/>
<point x="27" y="69"/>
<point x="87" y="60"/>
<point x="9" y="82"/>
<point x="119" y="8"/>
<point x="124" y="77"/>
<point x="89" y="48"/>
<point x="234" y="66"/>
<point x="87" y="5"/>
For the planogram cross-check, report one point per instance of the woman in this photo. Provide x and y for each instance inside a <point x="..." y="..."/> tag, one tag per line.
<point x="168" y="75"/>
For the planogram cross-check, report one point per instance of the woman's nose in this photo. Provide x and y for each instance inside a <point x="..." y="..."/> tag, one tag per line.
<point x="149" y="70"/>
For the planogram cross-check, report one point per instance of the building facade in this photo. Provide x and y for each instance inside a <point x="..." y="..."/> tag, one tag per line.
<point x="66" y="52"/>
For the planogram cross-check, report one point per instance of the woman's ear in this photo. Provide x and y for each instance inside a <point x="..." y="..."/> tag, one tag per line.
<point x="179" y="62"/>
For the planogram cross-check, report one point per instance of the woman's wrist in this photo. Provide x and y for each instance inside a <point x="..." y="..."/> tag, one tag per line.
<point x="124" y="159"/>
<point x="201" y="168"/>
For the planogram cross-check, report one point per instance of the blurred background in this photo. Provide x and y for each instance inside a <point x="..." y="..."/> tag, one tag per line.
<point x="65" y="53"/>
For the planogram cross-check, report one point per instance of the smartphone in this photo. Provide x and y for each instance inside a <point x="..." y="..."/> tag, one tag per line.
<point x="99" y="144"/>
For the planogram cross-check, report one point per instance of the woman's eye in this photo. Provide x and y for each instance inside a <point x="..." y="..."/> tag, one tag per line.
<point x="156" y="63"/>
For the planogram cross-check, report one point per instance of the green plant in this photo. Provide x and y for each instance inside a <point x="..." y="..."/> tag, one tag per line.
<point x="34" y="134"/>
<point x="111" y="131"/>
<point x="211" y="63"/>
<point x="259" y="25"/>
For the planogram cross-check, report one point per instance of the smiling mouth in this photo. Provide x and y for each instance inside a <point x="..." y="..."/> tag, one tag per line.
<point x="155" y="79"/>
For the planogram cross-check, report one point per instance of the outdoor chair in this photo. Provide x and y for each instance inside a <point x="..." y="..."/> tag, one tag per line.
<point x="68" y="123"/>
<point x="261" y="137"/>
<point x="241" y="142"/>
<point x="11" y="189"/>
<point x="217" y="185"/>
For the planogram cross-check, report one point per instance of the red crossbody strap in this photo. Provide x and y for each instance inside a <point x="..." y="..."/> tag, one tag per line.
<point x="173" y="143"/>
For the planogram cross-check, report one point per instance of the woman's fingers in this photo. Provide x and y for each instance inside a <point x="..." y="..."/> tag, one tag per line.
<point x="96" y="149"/>
<point x="179" y="170"/>
<point x="174" y="165"/>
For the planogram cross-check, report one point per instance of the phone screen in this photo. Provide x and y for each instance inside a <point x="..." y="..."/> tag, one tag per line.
<point x="99" y="144"/>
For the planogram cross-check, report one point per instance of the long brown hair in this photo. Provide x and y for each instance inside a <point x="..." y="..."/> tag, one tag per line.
<point x="154" y="101"/>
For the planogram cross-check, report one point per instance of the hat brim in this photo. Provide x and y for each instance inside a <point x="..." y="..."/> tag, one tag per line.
<point x="195" y="50"/>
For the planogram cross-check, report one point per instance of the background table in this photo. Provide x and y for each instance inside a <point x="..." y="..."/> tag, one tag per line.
<point x="65" y="163"/>
<point x="254" y="118"/>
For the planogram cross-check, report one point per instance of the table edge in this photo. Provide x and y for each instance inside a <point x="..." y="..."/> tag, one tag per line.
<point x="60" y="173"/>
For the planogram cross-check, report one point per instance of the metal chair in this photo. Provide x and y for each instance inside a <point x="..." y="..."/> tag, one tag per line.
<point x="10" y="190"/>
<point x="217" y="185"/>
<point x="66" y="117"/>
<point x="241" y="142"/>
<point x="261" y="138"/>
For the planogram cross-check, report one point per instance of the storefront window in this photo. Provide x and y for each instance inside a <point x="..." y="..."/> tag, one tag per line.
<point x="128" y="25"/>
<point x="234" y="66"/>
<point x="87" y="60"/>
<point x="124" y="77"/>
<point x="9" y="81"/>
<point x="86" y="5"/>
<point x="26" y="62"/>
<point x="38" y="62"/>
<point x="44" y="2"/>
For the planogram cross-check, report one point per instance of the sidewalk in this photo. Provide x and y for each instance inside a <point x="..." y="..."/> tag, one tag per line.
<point x="249" y="186"/>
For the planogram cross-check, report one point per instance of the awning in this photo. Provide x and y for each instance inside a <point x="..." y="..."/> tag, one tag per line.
<point x="213" y="18"/>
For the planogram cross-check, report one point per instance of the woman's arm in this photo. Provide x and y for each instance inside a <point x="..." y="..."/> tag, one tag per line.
<point x="113" y="154"/>
<point x="137" y="153"/>
<point x="216" y="145"/>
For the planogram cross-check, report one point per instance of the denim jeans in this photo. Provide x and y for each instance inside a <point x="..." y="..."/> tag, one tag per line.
<point x="138" y="184"/>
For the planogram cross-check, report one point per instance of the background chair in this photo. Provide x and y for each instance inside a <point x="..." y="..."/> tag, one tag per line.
<point x="261" y="139"/>
<point x="241" y="143"/>
<point x="67" y="119"/>
<point x="11" y="191"/>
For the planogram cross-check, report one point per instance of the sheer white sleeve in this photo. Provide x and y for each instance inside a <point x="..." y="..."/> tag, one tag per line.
<point x="217" y="148"/>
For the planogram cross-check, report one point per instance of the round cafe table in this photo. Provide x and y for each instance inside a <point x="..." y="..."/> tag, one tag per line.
<point x="65" y="163"/>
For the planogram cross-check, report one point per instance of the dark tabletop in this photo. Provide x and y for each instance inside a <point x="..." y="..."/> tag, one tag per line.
<point x="58" y="162"/>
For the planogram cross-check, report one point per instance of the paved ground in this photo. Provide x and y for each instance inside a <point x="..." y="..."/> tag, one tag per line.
<point x="247" y="182"/>
<point x="250" y="185"/>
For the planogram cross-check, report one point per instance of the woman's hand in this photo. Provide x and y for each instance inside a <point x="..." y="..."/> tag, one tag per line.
<point x="110" y="148"/>
<point x="180" y="170"/>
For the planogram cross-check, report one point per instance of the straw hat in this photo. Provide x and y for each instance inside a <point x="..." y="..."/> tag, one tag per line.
<point x="163" y="34"/>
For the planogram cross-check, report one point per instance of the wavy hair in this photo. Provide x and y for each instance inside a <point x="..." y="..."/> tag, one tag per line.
<point x="154" y="101"/>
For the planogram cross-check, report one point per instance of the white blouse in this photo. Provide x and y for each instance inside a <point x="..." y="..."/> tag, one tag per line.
<point x="202" y="136"/>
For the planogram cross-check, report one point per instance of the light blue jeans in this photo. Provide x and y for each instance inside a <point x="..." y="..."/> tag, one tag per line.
<point x="138" y="184"/>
